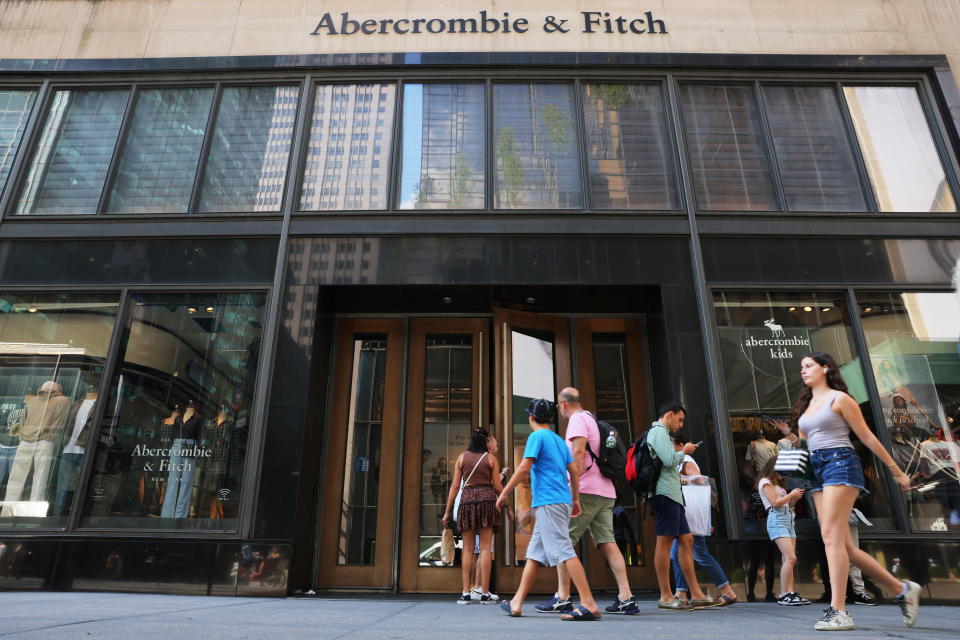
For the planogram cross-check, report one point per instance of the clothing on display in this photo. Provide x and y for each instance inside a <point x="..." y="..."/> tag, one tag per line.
<point x="178" y="493"/>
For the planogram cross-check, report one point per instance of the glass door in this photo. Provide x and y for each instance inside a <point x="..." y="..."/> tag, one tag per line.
<point x="360" y="492"/>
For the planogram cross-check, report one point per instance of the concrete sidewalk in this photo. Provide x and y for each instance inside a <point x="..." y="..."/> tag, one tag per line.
<point x="105" y="616"/>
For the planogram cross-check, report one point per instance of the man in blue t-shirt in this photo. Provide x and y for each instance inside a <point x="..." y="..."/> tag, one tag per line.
<point x="548" y="460"/>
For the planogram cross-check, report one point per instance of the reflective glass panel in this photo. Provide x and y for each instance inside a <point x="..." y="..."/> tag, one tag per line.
<point x="816" y="163"/>
<point x="52" y="352"/>
<point x="15" y="108"/>
<point x="174" y="434"/>
<point x="348" y="154"/>
<point x="533" y="377"/>
<point x="898" y="149"/>
<point x="72" y="158"/>
<point x="159" y="158"/>
<point x="731" y="169"/>
<point x="913" y="342"/>
<point x="629" y="153"/>
<point x="763" y="338"/>
<point x="443" y="147"/>
<point x="536" y="147"/>
<point x="357" y="542"/>
<point x="447" y="420"/>
<point x="248" y="158"/>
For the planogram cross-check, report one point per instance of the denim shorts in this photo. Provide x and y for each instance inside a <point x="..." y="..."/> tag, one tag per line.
<point x="780" y="523"/>
<point x="838" y="466"/>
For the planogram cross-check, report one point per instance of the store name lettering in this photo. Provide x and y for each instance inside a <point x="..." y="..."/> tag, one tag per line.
<point x="589" y="22"/>
<point x="778" y="346"/>
<point x="183" y="451"/>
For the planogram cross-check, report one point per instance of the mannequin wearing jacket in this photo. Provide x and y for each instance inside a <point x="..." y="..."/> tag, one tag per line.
<point x="79" y="426"/>
<point x="182" y="468"/>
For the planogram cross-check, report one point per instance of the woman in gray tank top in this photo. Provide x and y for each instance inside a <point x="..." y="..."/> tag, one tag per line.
<point x="825" y="415"/>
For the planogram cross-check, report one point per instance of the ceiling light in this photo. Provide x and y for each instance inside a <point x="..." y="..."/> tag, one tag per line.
<point x="868" y="310"/>
<point x="792" y="309"/>
<point x="825" y="309"/>
<point x="808" y="309"/>
<point x="531" y="300"/>
<point x="191" y="309"/>
<point x="32" y="309"/>
<point x="209" y="309"/>
<point x="446" y="300"/>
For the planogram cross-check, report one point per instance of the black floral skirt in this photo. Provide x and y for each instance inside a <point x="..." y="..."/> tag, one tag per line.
<point x="478" y="509"/>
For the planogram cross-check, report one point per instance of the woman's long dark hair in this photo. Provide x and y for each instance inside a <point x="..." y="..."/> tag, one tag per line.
<point x="834" y="381"/>
<point x="478" y="440"/>
<point x="769" y="472"/>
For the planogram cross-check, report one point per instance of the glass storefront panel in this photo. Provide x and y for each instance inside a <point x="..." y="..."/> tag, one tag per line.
<point x="174" y="434"/>
<point x="447" y="412"/>
<point x="763" y="338"/>
<point x="348" y="153"/>
<point x="443" y="147"/>
<point x="812" y="148"/>
<point x="247" y="167"/>
<point x="629" y="153"/>
<point x="731" y="168"/>
<point x="898" y="149"/>
<point x="160" y="155"/>
<point x="52" y="353"/>
<point x="536" y="148"/>
<point x="15" y="106"/>
<point x="913" y="343"/>
<point x="72" y="158"/>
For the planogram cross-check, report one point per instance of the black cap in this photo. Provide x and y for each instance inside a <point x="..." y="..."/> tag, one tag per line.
<point x="543" y="411"/>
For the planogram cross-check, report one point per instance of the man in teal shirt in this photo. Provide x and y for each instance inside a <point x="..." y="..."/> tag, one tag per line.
<point x="668" y="511"/>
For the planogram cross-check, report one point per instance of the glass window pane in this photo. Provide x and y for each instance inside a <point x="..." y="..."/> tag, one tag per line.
<point x="898" y="149"/>
<point x="912" y="338"/>
<point x="348" y="155"/>
<point x="809" y="137"/>
<point x="731" y="170"/>
<point x="447" y="421"/>
<point x="361" y="474"/>
<point x="73" y="156"/>
<point x="52" y="355"/>
<point x="443" y="147"/>
<point x="537" y="153"/>
<point x="249" y="153"/>
<point x="763" y="338"/>
<point x="628" y="147"/>
<point x="15" y="108"/>
<point x="160" y="155"/>
<point x="174" y="434"/>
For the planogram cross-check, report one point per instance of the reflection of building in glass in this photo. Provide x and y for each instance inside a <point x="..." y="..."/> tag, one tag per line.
<point x="273" y="171"/>
<point x="14" y="110"/>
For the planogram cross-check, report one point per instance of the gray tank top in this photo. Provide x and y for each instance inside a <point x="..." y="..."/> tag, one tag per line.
<point x="825" y="429"/>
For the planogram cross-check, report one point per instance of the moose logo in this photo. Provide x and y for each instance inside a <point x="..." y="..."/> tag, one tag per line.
<point x="777" y="329"/>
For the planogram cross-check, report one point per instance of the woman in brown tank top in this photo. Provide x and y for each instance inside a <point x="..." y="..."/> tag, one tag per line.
<point x="478" y="513"/>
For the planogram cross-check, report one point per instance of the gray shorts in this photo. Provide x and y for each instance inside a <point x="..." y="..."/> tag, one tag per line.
<point x="550" y="543"/>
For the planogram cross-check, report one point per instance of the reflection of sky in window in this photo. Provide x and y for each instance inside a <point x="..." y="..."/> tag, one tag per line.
<point x="933" y="316"/>
<point x="412" y="145"/>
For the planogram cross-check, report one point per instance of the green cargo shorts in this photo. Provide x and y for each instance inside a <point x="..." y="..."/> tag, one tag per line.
<point x="597" y="516"/>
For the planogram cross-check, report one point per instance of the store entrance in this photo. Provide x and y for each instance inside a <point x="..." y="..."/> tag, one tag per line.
<point x="406" y="394"/>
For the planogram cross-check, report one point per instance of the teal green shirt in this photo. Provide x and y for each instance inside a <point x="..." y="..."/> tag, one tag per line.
<point x="658" y="439"/>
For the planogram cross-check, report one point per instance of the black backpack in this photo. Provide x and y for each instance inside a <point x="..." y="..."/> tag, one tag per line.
<point x="612" y="460"/>
<point x="644" y="469"/>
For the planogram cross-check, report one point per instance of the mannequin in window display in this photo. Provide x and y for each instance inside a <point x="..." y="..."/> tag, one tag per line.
<point x="79" y="427"/>
<point x="10" y="436"/>
<point x="181" y="466"/>
<point x="940" y="458"/>
<point x="216" y="437"/>
<point x="44" y="418"/>
<point x="759" y="451"/>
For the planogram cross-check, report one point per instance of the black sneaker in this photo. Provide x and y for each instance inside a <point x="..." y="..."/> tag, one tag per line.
<point x="863" y="598"/>
<point x="792" y="600"/>
<point x="627" y="608"/>
<point x="464" y="598"/>
<point x="555" y="605"/>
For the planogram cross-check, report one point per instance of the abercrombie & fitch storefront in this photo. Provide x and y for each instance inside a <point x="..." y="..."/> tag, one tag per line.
<point x="255" y="292"/>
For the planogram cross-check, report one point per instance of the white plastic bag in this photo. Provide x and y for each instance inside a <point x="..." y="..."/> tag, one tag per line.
<point x="697" y="495"/>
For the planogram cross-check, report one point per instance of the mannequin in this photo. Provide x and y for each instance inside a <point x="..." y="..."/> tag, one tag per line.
<point x="182" y="464"/>
<point x="44" y="418"/>
<point x="79" y="424"/>
<point x="217" y="435"/>
<point x="940" y="460"/>
<point x="759" y="451"/>
<point x="10" y="436"/>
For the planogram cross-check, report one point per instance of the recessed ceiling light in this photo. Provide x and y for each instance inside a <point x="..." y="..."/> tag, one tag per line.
<point x="209" y="309"/>
<point x="808" y="309"/>
<point x="868" y="310"/>
<point x="446" y="300"/>
<point x="32" y="309"/>
<point x="792" y="309"/>
<point x="191" y="309"/>
<point x="825" y="309"/>
<point x="531" y="300"/>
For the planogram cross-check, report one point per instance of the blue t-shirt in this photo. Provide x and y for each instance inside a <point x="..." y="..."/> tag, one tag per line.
<point x="549" y="473"/>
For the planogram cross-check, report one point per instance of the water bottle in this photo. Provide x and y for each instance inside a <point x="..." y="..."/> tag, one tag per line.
<point x="611" y="440"/>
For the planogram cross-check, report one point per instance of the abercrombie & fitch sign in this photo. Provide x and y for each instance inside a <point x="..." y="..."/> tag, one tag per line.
<point x="590" y="22"/>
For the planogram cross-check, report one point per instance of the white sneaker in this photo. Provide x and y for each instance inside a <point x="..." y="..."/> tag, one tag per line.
<point x="834" y="620"/>
<point x="477" y="595"/>
<point x="909" y="603"/>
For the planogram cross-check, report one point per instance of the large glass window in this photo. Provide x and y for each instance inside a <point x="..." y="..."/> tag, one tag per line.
<point x="536" y="147"/>
<point x="52" y="352"/>
<point x="15" y="108"/>
<point x="763" y="337"/>
<point x="250" y="150"/>
<point x="159" y="159"/>
<point x="731" y="169"/>
<point x="348" y="154"/>
<point x="443" y="147"/>
<point x="629" y="153"/>
<point x="71" y="161"/>
<point x="813" y="152"/>
<point x="174" y="434"/>
<point x="896" y="143"/>
<point x="913" y="343"/>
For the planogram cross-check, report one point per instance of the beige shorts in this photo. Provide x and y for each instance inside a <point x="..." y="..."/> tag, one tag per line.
<point x="597" y="516"/>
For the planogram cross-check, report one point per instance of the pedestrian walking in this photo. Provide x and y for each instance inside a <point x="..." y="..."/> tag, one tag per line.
<point x="548" y="461"/>
<point x="597" y="498"/>
<point x="780" y="527"/>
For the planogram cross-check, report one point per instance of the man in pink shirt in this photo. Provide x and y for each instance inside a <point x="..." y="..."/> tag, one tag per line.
<point x="597" y="497"/>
